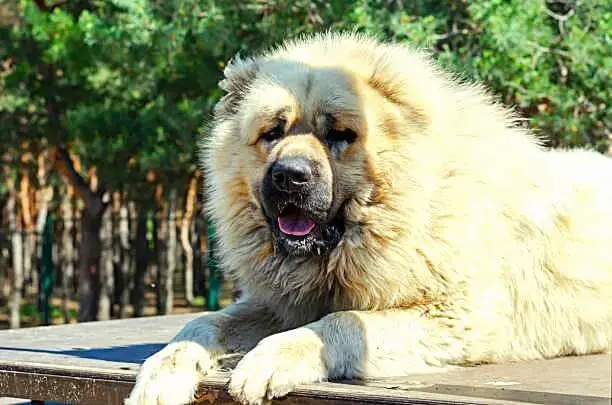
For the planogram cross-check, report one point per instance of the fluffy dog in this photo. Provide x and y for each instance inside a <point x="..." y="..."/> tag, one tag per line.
<point x="383" y="217"/>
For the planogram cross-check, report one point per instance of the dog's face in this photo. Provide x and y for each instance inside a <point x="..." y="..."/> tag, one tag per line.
<point x="305" y="131"/>
<point x="297" y="191"/>
<point x="305" y="149"/>
<point x="299" y="144"/>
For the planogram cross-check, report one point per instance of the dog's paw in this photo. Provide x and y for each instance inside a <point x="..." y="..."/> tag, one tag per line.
<point x="171" y="376"/>
<point x="276" y="365"/>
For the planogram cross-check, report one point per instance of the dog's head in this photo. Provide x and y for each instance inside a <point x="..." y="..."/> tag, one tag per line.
<point x="300" y="137"/>
<point x="304" y="132"/>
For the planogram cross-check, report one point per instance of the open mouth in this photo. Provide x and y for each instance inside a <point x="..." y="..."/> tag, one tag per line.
<point x="293" y="222"/>
<point x="297" y="232"/>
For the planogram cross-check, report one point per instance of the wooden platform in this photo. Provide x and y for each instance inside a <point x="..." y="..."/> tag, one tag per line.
<point x="96" y="364"/>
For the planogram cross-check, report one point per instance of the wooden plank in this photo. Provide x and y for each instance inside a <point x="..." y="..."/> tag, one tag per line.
<point x="96" y="363"/>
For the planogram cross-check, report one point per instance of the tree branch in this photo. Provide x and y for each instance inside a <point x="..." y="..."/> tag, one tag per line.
<point x="43" y="6"/>
<point x="63" y="162"/>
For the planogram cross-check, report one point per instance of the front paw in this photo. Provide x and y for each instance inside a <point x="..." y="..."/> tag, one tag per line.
<point x="171" y="376"/>
<point x="276" y="365"/>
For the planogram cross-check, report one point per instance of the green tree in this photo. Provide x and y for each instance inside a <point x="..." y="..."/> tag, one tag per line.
<point x="126" y="84"/>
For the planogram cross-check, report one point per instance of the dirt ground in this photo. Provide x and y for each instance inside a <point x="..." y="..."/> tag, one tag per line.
<point x="30" y="316"/>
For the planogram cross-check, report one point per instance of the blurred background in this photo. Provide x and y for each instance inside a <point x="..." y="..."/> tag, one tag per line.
<point x="102" y="104"/>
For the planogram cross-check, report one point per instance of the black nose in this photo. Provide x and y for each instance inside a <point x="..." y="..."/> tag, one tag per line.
<point x="291" y="174"/>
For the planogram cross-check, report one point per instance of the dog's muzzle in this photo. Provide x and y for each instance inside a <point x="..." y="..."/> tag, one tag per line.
<point x="297" y="205"/>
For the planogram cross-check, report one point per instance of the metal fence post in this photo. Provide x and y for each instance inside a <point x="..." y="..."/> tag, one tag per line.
<point x="46" y="279"/>
<point x="214" y="280"/>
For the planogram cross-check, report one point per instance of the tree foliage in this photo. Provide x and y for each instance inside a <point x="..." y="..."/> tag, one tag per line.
<point x="120" y="89"/>
<point x="127" y="83"/>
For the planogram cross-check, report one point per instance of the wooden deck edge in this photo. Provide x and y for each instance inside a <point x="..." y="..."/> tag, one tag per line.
<point x="52" y="388"/>
<point x="97" y="387"/>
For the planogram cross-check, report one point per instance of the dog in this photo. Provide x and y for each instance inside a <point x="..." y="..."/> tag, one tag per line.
<point x="384" y="217"/>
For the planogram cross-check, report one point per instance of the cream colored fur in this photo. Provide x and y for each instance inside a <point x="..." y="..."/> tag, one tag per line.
<point x="466" y="242"/>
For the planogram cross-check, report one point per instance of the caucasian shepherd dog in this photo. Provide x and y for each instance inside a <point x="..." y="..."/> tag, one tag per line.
<point x="382" y="218"/>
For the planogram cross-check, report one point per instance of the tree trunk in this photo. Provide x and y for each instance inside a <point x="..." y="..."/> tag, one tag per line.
<point x="171" y="253"/>
<point x="29" y="235"/>
<point x="15" y="230"/>
<point x="124" y="264"/>
<point x="90" y="245"/>
<point x="106" y="266"/>
<point x="66" y="251"/>
<point x="161" y="248"/>
<point x="200" y="256"/>
<point x="5" y="240"/>
<point x="190" y="200"/>
<point x="140" y="264"/>
<point x="44" y="235"/>
<point x="89" y="266"/>
<point x="117" y="287"/>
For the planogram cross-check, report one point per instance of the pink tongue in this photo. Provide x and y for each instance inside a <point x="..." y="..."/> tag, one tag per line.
<point x="294" y="225"/>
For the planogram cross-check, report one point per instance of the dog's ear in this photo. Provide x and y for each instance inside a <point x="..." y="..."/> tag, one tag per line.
<point x="238" y="75"/>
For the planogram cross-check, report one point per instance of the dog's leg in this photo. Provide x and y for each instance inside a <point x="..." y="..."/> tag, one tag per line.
<point x="351" y="344"/>
<point x="171" y="376"/>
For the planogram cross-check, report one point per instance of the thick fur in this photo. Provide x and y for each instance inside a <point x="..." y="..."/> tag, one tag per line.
<point x="466" y="241"/>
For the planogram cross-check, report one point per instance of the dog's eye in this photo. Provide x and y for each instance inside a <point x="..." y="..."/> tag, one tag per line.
<point x="274" y="134"/>
<point x="336" y="136"/>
